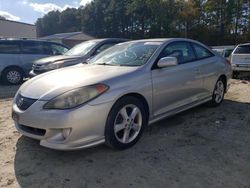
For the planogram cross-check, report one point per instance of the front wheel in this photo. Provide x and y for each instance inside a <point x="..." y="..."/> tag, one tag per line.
<point x="125" y="123"/>
<point x="218" y="93"/>
<point x="12" y="76"/>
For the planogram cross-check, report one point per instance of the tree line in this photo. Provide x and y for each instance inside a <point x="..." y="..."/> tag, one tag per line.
<point x="214" y="22"/>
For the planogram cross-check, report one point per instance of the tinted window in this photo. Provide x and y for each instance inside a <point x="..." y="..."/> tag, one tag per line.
<point x="35" y="48"/>
<point x="242" y="49"/>
<point x="181" y="50"/>
<point x="9" y="47"/>
<point x="202" y="52"/>
<point x="58" y="49"/>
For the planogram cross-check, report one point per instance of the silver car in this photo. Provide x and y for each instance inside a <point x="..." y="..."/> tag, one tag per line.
<point x="122" y="90"/>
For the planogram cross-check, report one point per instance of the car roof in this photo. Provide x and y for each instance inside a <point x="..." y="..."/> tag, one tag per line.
<point x="166" y="39"/>
<point x="109" y="40"/>
<point x="163" y="40"/>
<point x="245" y="44"/>
<point x="31" y="40"/>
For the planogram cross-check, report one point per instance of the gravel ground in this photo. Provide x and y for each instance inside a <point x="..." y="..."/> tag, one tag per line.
<point x="202" y="147"/>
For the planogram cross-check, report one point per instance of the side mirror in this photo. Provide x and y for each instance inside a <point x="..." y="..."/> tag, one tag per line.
<point x="167" y="62"/>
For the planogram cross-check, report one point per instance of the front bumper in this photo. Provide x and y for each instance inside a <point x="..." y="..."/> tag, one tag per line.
<point x="87" y="125"/>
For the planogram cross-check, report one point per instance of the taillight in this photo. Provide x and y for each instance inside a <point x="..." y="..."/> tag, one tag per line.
<point x="228" y="61"/>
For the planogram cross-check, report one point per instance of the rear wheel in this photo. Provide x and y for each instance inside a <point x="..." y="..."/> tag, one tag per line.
<point x="12" y="76"/>
<point x="218" y="93"/>
<point x="125" y="123"/>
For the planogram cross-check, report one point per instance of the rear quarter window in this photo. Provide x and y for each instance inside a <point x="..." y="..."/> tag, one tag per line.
<point x="202" y="52"/>
<point x="242" y="49"/>
<point x="10" y="47"/>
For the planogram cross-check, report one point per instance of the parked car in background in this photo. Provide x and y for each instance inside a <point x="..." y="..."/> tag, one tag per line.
<point x="121" y="90"/>
<point x="78" y="54"/>
<point x="240" y="59"/>
<point x="17" y="56"/>
<point x="224" y="51"/>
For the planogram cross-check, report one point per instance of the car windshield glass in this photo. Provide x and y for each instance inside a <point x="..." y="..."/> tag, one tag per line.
<point x="82" y="48"/>
<point x="127" y="54"/>
<point x="245" y="49"/>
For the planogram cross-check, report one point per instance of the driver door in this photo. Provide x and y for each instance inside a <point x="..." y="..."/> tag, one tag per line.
<point x="177" y="86"/>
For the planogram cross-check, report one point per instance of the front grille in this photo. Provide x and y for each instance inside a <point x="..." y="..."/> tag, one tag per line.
<point x="36" y="66"/>
<point x="24" y="103"/>
<point x="31" y="130"/>
<point x="37" y="69"/>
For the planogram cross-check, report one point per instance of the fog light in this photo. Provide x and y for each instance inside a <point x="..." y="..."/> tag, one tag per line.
<point x="66" y="132"/>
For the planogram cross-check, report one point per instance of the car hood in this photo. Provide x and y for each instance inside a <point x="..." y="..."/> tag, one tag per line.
<point x="54" y="83"/>
<point x="54" y="59"/>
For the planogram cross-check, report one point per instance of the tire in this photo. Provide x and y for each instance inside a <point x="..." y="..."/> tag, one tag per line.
<point x="125" y="123"/>
<point x="218" y="93"/>
<point x="12" y="76"/>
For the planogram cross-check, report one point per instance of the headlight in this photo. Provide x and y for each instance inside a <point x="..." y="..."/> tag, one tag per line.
<point x="52" y="66"/>
<point x="76" y="97"/>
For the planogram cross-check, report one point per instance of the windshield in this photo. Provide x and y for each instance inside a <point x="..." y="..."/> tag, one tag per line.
<point x="82" y="48"/>
<point x="127" y="54"/>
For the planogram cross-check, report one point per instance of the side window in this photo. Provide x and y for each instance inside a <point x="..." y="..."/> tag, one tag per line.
<point x="103" y="47"/>
<point x="35" y="48"/>
<point x="9" y="48"/>
<point x="201" y="52"/>
<point x="58" y="49"/>
<point x="181" y="50"/>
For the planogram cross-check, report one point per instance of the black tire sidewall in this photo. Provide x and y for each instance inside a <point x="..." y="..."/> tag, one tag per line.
<point x="109" y="128"/>
<point x="6" y="71"/>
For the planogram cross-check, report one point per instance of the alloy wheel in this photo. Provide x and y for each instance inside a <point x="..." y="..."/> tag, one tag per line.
<point x="219" y="91"/>
<point x="128" y="123"/>
<point x="13" y="76"/>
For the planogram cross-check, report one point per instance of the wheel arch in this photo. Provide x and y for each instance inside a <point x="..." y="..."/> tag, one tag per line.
<point x="13" y="66"/>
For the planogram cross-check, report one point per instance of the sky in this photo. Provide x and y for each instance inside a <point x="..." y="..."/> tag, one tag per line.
<point x="29" y="10"/>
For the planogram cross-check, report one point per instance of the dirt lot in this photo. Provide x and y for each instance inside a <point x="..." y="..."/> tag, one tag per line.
<point x="203" y="147"/>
